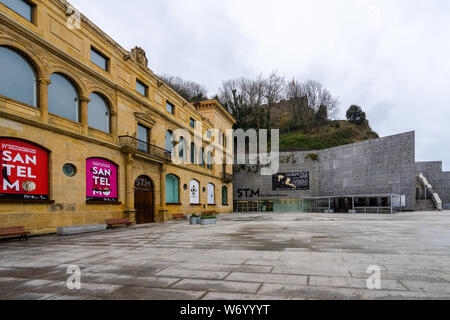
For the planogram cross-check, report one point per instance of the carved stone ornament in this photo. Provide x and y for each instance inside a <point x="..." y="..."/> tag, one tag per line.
<point x="145" y="117"/>
<point x="138" y="55"/>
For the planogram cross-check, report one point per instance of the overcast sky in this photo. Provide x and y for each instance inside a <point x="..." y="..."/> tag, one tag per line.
<point x="390" y="57"/>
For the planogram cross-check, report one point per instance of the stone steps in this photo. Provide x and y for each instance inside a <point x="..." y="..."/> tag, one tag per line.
<point x="425" y="205"/>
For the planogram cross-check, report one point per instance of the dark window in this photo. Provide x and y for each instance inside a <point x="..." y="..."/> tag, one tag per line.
<point x="170" y="108"/>
<point x="172" y="192"/>
<point x="225" y="196"/>
<point x="99" y="59"/>
<point x="202" y="157"/>
<point x="193" y="154"/>
<point x="209" y="161"/>
<point x="143" y="137"/>
<point x="63" y="98"/>
<point x="69" y="170"/>
<point x="181" y="148"/>
<point x="169" y="141"/>
<point x="141" y="88"/>
<point x="17" y="77"/>
<point x="192" y="123"/>
<point x="21" y="7"/>
<point x="99" y="113"/>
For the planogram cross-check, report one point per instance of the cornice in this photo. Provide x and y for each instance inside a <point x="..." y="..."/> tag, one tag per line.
<point x="214" y="104"/>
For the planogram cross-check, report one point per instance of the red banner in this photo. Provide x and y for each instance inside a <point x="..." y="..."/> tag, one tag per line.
<point x="23" y="170"/>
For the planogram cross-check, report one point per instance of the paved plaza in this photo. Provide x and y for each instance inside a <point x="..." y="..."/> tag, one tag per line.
<point x="244" y="256"/>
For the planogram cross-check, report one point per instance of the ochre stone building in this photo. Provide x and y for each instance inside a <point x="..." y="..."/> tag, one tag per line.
<point x="89" y="133"/>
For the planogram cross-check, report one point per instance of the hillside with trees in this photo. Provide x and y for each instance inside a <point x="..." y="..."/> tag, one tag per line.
<point x="305" y="112"/>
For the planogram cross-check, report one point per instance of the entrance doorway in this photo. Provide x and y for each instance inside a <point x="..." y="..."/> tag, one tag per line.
<point x="144" y="200"/>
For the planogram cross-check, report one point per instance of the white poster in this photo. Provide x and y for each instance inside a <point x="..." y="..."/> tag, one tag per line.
<point x="195" y="192"/>
<point x="211" y="196"/>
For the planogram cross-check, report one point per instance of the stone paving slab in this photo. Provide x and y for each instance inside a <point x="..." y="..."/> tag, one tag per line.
<point x="218" y="286"/>
<point x="245" y="256"/>
<point x="268" y="278"/>
<point x="193" y="274"/>
<point x="353" y="283"/>
<point x="308" y="292"/>
<point x="242" y="297"/>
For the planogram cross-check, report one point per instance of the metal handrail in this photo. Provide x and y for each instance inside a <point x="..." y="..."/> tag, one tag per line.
<point x="141" y="146"/>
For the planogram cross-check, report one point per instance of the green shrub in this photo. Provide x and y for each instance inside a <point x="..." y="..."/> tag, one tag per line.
<point x="356" y="115"/>
<point x="208" y="217"/>
<point x="312" y="156"/>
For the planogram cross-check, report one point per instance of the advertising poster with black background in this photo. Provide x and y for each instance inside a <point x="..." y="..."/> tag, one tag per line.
<point x="294" y="181"/>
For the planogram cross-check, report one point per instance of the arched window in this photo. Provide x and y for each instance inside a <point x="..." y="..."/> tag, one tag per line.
<point x="172" y="189"/>
<point x="181" y="148"/>
<point x="169" y="141"/>
<point x="224" y="196"/>
<point x="211" y="194"/>
<point x="17" y="77"/>
<point x="99" y="113"/>
<point x="193" y="153"/>
<point x="63" y="98"/>
<point x="202" y="157"/>
<point x="194" y="192"/>
<point x="209" y="161"/>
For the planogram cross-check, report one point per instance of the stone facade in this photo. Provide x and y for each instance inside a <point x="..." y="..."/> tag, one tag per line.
<point x="378" y="166"/>
<point x="440" y="180"/>
<point x="51" y="47"/>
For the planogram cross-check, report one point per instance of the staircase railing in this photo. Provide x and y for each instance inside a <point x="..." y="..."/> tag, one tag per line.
<point x="429" y="189"/>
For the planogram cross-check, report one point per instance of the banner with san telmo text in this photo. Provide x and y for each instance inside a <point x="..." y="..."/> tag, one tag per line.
<point x="101" y="180"/>
<point x="23" y="170"/>
<point x="290" y="181"/>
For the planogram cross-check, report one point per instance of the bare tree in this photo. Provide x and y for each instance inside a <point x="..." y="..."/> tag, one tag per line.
<point x="189" y="90"/>
<point x="232" y="98"/>
<point x="252" y="101"/>
<point x="244" y="99"/>
<point x="302" y="114"/>
<point x="318" y="96"/>
<point x="273" y="93"/>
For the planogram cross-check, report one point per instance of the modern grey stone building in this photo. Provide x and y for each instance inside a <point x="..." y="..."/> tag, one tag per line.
<point x="378" y="175"/>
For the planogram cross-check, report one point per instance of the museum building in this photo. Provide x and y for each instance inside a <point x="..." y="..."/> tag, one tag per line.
<point x="373" y="176"/>
<point x="88" y="132"/>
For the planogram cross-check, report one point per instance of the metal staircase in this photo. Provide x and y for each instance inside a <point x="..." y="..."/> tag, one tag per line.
<point x="434" y="202"/>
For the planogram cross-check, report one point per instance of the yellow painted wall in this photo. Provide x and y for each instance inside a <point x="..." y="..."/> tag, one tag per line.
<point x="52" y="47"/>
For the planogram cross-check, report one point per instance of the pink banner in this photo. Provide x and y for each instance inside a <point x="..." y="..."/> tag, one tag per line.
<point x="101" y="180"/>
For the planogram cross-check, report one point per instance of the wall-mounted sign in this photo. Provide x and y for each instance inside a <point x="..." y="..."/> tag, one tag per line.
<point x="23" y="170"/>
<point x="257" y="194"/>
<point x="211" y="194"/>
<point x="194" y="191"/>
<point x="101" y="180"/>
<point x="143" y="183"/>
<point x="290" y="181"/>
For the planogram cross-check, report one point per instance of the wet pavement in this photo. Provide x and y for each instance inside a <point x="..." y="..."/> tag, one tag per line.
<point x="244" y="256"/>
